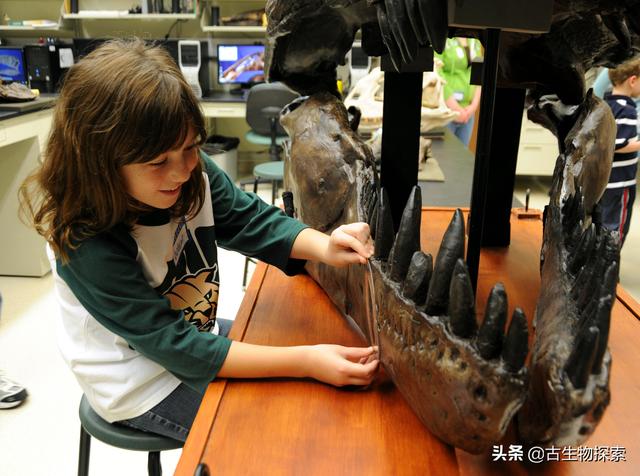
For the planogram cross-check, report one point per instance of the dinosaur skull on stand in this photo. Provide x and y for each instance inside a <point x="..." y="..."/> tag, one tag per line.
<point x="465" y="381"/>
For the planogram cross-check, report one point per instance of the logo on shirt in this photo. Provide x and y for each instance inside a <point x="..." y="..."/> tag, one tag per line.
<point x="197" y="297"/>
<point x="192" y="282"/>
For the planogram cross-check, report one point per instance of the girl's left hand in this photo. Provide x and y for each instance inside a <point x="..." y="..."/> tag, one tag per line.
<point x="349" y="244"/>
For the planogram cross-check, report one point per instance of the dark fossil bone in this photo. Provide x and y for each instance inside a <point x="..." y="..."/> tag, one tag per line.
<point x="466" y="383"/>
<point x="465" y="399"/>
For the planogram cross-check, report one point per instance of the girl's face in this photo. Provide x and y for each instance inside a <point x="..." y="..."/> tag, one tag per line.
<point x="157" y="183"/>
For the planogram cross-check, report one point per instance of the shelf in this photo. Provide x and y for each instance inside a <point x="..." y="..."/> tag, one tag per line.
<point x="235" y="29"/>
<point x="129" y="16"/>
<point x="56" y="27"/>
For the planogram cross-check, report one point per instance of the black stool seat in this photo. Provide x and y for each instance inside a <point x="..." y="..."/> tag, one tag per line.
<point x="119" y="436"/>
<point x="122" y="436"/>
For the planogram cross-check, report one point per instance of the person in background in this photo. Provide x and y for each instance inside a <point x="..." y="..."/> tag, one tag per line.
<point x="133" y="212"/>
<point x="617" y="201"/>
<point x="12" y="394"/>
<point x="459" y="94"/>
<point x="602" y="85"/>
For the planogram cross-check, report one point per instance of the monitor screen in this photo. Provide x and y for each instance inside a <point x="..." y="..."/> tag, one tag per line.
<point x="12" y="65"/>
<point x="240" y="64"/>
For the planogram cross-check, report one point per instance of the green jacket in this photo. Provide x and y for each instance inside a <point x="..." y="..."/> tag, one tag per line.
<point x="456" y="69"/>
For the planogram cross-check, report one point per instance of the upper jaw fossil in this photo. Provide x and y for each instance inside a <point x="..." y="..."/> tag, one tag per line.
<point x="466" y="382"/>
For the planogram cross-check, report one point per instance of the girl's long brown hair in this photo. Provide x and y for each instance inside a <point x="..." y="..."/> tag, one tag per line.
<point x="124" y="103"/>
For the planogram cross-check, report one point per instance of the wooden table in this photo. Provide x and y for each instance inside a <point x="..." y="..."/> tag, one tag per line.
<point x="287" y="426"/>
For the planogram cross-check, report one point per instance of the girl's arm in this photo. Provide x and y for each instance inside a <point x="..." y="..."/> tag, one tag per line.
<point x="333" y="364"/>
<point x="347" y="244"/>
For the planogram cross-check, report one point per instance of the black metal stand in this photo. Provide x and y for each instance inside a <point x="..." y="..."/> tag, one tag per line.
<point x="483" y="153"/>
<point x="400" y="138"/>
<point x="505" y="138"/>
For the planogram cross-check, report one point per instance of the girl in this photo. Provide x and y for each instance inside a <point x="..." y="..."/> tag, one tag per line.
<point x="132" y="212"/>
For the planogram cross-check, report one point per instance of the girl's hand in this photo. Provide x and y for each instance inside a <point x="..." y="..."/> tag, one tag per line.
<point x="338" y="365"/>
<point x="349" y="244"/>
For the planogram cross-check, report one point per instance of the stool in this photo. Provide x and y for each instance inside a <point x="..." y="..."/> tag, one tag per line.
<point x="91" y="424"/>
<point x="269" y="171"/>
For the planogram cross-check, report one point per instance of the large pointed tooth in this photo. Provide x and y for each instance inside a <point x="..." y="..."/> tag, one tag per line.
<point x="387" y="37"/>
<point x="287" y="200"/>
<point x="371" y="205"/>
<point x="373" y="220"/>
<point x="570" y="211"/>
<point x="602" y="318"/>
<point x="435" y="19"/>
<point x="580" y="362"/>
<point x="462" y="305"/>
<point x="583" y="251"/>
<point x="602" y="322"/>
<point x="451" y="249"/>
<point x="400" y="29"/>
<point x="413" y="13"/>
<point x="490" y="335"/>
<point x="633" y="18"/>
<point x="416" y="283"/>
<point x="384" y="227"/>
<point x="408" y="236"/>
<point x="516" y="345"/>
<point x="616" y="24"/>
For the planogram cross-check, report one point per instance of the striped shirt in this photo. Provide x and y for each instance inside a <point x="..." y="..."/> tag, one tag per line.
<point x="625" y="165"/>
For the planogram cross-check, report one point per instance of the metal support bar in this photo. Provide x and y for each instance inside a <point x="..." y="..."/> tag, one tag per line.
<point x="400" y="138"/>
<point x="483" y="150"/>
<point x="507" y="121"/>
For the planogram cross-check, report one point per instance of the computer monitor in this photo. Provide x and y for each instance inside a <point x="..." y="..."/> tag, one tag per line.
<point x="241" y="65"/>
<point x="12" y="64"/>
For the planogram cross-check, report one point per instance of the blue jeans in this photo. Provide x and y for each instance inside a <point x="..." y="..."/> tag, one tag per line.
<point x="174" y="415"/>
<point x="462" y="131"/>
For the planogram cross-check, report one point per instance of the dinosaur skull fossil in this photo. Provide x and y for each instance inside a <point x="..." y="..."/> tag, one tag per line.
<point x="465" y="381"/>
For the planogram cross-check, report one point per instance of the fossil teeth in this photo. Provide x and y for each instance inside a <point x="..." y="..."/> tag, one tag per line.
<point x="371" y="205"/>
<point x="413" y="12"/>
<point x="416" y="284"/>
<point x="514" y="351"/>
<point x="384" y="227"/>
<point x="602" y="322"/>
<point x="583" y="251"/>
<point x="387" y="37"/>
<point x="451" y="248"/>
<point x="633" y="18"/>
<point x="373" y="220"/>
<point x="580" y="362"/>
<point x="573" y="211"/>
<point x="400" y="29"/>
<point x="287" y="199"/>
<point x="490" y="335"/>
<point x="462" y="305"/>
<point x="408" y="237"/>
<point x="603" y="314"/>
<point x="434" y="17"/>
<point x="616" y="24"/>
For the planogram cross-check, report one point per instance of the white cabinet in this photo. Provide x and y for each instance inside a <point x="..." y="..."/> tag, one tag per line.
<point x="538" y="150"/>
<point x="22" y="140"/>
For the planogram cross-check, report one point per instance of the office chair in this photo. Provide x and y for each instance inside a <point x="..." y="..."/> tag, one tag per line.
<point x="264" y="103"/>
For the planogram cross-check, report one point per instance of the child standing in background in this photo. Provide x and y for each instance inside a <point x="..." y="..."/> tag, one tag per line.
<point x="132" y="212"/>
<point x="617" y="201"/>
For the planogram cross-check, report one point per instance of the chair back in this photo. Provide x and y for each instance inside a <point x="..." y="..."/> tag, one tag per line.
<point x="265" y="101"/>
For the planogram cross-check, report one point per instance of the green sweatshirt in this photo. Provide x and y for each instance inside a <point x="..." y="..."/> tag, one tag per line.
<point x="139" y="307"/>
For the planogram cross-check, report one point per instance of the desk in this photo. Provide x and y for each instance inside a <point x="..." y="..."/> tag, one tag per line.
<point x="22" y="138"/>
<point x="287" y="426"/>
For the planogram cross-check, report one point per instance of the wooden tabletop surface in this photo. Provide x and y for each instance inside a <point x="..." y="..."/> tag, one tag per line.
<point x="288" y="426"/>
